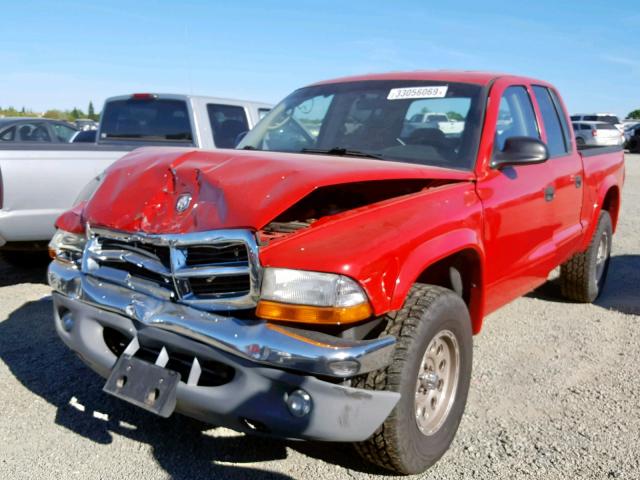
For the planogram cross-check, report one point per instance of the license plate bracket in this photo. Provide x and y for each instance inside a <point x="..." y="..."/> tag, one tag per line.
<point x="144" y="384"/>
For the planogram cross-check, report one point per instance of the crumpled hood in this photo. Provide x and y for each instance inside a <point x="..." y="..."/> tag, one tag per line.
<point x="228" y="188"/>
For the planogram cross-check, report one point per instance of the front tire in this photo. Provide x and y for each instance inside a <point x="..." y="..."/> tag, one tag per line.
<point x="431" y="369"/>
<point x="583" y="276"/>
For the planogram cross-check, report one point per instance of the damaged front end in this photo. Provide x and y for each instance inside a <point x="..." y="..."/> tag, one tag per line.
<point x="194" y="263"/>
<point x="134" y="306"/>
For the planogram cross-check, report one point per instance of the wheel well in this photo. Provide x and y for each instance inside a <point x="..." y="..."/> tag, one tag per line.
<point x="611" y="204"/>
<point x="462" y="273"/>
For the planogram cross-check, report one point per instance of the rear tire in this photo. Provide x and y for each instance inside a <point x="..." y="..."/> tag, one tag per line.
<point x="583" y="275"/>
<point x="431" y="369"/>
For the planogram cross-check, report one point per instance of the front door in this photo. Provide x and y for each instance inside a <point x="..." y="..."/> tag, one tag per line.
<point x="518" y="203"/>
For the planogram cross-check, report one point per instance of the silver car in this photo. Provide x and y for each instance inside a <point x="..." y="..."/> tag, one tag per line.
<point x="597" y="133"/>
<point x="611" y="118"/>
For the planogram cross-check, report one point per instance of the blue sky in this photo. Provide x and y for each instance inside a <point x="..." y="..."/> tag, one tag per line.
<point x="63" y="54"/>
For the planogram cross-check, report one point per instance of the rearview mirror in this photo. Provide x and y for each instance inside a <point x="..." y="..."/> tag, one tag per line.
<point x="520" y="151"/>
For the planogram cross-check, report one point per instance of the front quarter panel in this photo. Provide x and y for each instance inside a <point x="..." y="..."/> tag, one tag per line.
<point x="386" y="246"/>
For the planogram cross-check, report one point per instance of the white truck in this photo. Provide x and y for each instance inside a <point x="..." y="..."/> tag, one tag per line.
<point x="440" y="121"/>
<point x="39" y="181"/>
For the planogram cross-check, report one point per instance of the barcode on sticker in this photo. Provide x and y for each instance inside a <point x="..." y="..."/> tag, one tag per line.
<point x="417" y="92"/>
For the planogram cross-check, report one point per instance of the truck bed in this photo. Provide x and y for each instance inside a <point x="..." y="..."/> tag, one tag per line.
<point x="40" y="181"/>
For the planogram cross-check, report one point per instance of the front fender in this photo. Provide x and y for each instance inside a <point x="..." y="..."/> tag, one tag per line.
<point x="434" y="250"/>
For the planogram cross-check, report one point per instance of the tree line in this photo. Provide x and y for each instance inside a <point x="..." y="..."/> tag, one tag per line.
<point x="69" y="115"/>
<point x="635" y="114"/>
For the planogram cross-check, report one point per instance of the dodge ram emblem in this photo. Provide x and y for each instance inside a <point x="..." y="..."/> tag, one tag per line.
<point x="183" y="202"/>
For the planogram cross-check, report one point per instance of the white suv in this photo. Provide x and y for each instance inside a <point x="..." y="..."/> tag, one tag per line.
<point x="611" y="118"/>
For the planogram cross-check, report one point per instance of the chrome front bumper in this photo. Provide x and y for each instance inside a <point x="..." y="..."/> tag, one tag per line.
<point x="269" y="362"/>
<point x="255" y="340"/>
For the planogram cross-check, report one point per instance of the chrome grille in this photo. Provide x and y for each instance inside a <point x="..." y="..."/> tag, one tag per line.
<point x="217" y="270"/>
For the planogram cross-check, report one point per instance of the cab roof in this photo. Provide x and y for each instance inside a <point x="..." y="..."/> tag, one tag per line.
<point x="479" y="78"/>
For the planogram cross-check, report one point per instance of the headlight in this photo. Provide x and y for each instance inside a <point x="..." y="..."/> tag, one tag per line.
<point x="312" y="297"/>
<point x="67" y="246"/>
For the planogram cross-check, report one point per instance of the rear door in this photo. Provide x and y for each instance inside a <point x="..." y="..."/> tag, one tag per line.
<point x="566" y="169"/>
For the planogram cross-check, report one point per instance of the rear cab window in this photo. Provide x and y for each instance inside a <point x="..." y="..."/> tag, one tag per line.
<point x="228" y="122"/>
<point x="146" y="118"/>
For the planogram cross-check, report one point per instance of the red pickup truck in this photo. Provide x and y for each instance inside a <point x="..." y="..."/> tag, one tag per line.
<point x="324" y="280"/>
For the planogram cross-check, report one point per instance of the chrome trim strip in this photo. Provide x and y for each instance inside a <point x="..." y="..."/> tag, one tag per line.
<point x="211" y="272"/>
<point x="255" y="340"/>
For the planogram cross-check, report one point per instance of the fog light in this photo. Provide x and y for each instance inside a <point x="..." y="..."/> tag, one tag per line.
<point x="67" y="322"/>
<point x="299" y="403"/>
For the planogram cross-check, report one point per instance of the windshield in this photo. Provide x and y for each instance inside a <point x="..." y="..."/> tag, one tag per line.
<point x="146" y="119"/>
<point x="377" y="119"/>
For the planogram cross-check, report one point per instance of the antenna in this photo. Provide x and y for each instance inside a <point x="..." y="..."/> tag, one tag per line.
<point x="188" y="57"/>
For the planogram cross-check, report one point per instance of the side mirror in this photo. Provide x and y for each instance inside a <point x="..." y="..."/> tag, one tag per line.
<point x="520" y="151"/>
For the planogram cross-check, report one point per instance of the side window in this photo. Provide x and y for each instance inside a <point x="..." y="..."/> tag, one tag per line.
<point x="227" y="123"/>
<point x="575" y="118"/>
<point x="516" y="117"/>
<point x="590" y="118"/>
<point x="562" y="115"/>
<point x="553" y="127"/>
<point x="8" y="135"/>
<point x="32" y="132"/>
<point x="62" y="132"/>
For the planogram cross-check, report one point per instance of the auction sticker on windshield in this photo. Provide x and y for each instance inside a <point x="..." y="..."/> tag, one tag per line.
<point x="417" y="92"/>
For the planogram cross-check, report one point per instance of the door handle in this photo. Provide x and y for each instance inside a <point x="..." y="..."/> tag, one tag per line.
<point x="549" y="193"/>
<point x="577" y="180"/>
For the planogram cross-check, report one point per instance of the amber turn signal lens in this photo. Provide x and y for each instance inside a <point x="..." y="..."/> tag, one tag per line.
<point x="307" y="314"/>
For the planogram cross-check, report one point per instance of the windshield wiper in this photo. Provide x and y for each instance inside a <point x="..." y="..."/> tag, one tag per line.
<point x="342" y="152"/>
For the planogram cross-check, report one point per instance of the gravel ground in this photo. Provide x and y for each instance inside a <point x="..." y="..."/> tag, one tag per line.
<point x="555" y="395"/>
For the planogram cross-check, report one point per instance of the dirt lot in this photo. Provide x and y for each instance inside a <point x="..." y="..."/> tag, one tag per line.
<point x="555" y="395"/>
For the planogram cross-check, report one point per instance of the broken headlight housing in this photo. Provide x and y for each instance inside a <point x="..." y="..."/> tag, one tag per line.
<point x="67" y="247"/>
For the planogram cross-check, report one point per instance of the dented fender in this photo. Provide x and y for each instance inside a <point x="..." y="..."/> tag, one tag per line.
<point x="366" y="244"/>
